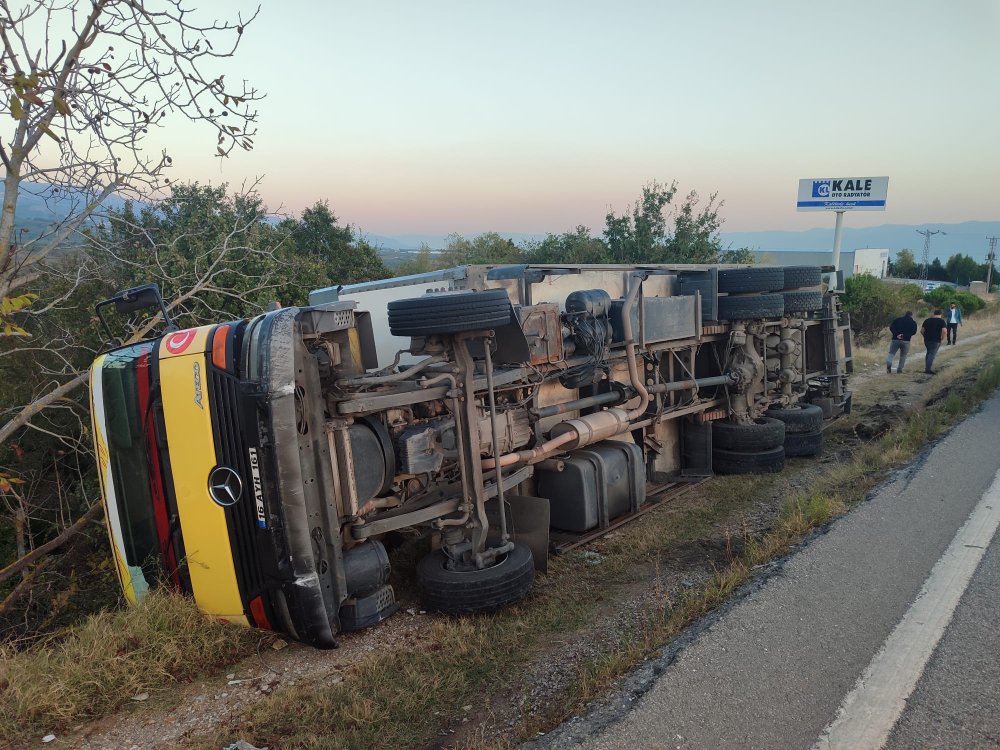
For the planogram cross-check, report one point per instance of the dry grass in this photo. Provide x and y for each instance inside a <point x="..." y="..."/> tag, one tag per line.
<point x="986" y="320"/>
<point x="98" y="666"/>
<point x="401" y="699"/>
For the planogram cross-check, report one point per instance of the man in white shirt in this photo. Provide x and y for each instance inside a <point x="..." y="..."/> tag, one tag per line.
<point x="954" y="319"/>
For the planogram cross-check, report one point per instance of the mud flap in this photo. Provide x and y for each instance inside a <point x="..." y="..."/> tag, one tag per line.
<point x="527" y="523"/>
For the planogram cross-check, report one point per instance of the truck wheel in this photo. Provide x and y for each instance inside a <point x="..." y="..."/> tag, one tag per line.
<point x="797" y="277"/>
<point x="800" y="418"/>
<point x="757" y="279"/>
<point x="803" y="301"/>
<point x="751" y="307"/>
<point x="803" y="443"/>
<point x="457" y="592"/>
<point x="449" y="312"/>
<point x="761" y="434"/>
<point x="739" y="462"/>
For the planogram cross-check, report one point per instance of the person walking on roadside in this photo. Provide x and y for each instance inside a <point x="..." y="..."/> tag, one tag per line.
<point x="933" y="331"/>
<point x="902" y="329"/>
<point x="954" y="320"/>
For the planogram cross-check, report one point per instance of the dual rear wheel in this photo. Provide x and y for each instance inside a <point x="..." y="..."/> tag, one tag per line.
<point x="761" y="446"/>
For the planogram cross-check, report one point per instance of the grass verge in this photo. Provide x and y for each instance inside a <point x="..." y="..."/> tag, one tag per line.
<point x="98" y="666"/>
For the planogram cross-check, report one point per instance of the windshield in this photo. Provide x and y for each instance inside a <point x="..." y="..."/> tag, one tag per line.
<point x="125" y="384"/>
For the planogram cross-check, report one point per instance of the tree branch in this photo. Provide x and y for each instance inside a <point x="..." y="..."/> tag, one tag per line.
<point x="68" y="533"/>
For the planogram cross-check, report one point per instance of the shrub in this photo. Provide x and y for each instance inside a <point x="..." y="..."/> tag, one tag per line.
<point x="945" y="295"/>
<point x="909" y="295"/>
<point x="872" y="304"/>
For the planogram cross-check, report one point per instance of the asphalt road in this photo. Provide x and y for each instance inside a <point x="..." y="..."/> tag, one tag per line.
<point x="881" y="632"/>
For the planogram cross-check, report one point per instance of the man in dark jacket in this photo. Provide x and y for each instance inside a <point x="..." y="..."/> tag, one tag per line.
<point x="933" y="330"/>
<point x="902" y="329"/>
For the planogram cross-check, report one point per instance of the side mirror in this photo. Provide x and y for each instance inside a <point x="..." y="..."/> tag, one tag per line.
<point x="133" y="300"/>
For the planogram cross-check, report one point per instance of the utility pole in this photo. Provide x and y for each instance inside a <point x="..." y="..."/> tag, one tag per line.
<point x="927" y="233"/>
<point x="991" y="257"/>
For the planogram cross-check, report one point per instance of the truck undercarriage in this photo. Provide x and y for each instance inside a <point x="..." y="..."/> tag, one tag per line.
<point x="487" y="404"/>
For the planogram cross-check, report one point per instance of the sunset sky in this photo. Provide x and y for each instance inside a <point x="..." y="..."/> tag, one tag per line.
<point x="435" y="117"/>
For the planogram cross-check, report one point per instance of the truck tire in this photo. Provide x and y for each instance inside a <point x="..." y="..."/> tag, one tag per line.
<point x="458" y="592"/>
<point x="797" y="277"/>
<point x="756" y="279"/>
<point x="761" y="434"/>
<point x="449" y="312"/>
<point x="803" y="301"/>
<point x="803" y="443"/>
<point x="751" y="307"/>
<point x="739" y="462"/>
<point x="687" y="286"/>
<point x="800" y="418"/>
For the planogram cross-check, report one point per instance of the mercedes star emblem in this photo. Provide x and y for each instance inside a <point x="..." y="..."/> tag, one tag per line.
<point x="225" y="486"/>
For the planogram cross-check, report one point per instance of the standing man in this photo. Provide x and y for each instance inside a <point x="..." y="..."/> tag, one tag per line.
<point x="954" y="321"/>
<point x="902" y="330"/>
<point x="933" y="330"/>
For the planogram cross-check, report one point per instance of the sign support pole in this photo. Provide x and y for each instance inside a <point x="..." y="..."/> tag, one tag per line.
<point x="838" y="231"/>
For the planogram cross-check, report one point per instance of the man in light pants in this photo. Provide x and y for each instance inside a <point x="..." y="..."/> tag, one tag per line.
<point x="902" y="329"/>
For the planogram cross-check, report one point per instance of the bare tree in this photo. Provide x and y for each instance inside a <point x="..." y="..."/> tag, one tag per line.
<point x="88" y="82"/>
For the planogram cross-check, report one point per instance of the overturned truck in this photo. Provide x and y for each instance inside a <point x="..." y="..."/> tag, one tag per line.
<point x="261" y="465"/>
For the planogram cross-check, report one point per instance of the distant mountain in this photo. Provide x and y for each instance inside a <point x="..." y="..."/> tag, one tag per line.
<point x="38" y="209"/>
<point x="968" y="238"/>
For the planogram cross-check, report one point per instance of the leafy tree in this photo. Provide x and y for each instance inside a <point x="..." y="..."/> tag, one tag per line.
<point x="570" y="247"/>
<point x="937" y="272"/>
<point x="905" y="265"/>
<point x="981" y="273"/>
<point x="488" y="249"/>
<point x="962" y="269"/>
<point x="205" y="238"/>
<point x="639" y="235"/>
<point x="695" y="237"/>
<point x="346" y="260"/>
<point x="644" y="235"/>
<point x="423" y="262"/>
<point x="737" y="255"/>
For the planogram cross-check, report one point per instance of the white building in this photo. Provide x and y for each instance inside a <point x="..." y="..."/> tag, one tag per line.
<point x="874" y="261"/>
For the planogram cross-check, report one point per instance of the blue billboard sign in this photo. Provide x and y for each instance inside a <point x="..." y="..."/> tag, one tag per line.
<point x="843" y="194"/>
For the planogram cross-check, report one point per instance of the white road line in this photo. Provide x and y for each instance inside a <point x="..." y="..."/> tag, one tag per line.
<point x="872" y="708"/>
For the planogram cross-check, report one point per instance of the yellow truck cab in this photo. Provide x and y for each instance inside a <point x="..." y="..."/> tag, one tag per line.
<point x="196" y="432"/>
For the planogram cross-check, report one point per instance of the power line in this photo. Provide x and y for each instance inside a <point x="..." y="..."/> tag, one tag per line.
<point x="927" y="233"/>
<point x="991" y="257"/>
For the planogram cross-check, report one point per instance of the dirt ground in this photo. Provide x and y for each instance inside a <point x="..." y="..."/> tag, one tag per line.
<point x="880" y="401"/>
